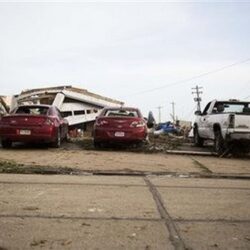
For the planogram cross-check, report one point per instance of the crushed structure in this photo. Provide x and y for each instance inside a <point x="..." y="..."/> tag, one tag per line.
<point x="79" y="106"/>
<point x="4" y="109"/>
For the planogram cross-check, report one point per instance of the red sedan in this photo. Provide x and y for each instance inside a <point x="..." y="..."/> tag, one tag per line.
<point x="33" y="123"/>
<point x="119" y="125"/>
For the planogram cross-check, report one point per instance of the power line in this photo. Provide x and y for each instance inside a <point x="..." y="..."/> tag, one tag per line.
<point x="192" y="78"/>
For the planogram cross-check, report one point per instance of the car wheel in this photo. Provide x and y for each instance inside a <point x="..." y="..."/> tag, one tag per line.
<point x="57" y="142"/>
<point x="219" y="145"/>
<point x="67" y="137"/>
<point x="141" y="144"/>
<point x="6" y="144"/>
<point x="198" y="141"/>
<point x="97" y="144"/>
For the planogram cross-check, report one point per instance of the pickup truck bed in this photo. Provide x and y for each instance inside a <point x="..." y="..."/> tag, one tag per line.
<point x="227" y="123"/>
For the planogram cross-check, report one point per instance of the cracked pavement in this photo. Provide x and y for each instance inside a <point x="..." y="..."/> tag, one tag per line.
<point x="123" y="200"/>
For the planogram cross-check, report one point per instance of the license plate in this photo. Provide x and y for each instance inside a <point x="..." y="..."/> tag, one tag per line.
<point x="24" y="132"/>
<point x="119" y="134"/>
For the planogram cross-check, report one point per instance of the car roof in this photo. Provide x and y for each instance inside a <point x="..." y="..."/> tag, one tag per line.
<point x="118" y="108"/>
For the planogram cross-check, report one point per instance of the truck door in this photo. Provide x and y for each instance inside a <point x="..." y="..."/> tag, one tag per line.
<point x="211" y="117"/>
<point x="204" y="122"/>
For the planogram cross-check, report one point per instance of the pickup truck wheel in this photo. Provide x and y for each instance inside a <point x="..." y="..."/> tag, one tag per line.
<point x="6" y="144"/>
<point x="219" y="145"/>
<point x="198" y="141"/>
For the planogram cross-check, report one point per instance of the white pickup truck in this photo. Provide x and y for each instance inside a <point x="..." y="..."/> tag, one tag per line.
<point x="227" y="123"/>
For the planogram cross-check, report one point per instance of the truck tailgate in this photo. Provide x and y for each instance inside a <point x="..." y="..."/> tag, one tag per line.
<point x="242" y="122"/>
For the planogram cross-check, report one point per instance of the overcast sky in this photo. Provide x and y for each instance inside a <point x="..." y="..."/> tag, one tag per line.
<point x="145" y="54"/>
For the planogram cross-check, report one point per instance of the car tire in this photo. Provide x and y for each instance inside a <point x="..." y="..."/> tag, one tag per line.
<point x="141" y="144"/>
<point x="97" y="144"/>
<point x="57" y="142"/>
<point x="198" y="141"/>
<point x="67" y="138"/>
<point x="219" y="144"/>
<point x="6" y="144"/>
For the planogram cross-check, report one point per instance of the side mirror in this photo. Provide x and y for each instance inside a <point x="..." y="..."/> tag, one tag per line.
<point x="198" y="112"/>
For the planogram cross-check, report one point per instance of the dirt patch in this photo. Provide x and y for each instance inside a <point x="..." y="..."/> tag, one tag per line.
<point x="13" y="167"/>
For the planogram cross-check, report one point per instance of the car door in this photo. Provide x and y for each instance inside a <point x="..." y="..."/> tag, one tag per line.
<point x="207" y="126"/>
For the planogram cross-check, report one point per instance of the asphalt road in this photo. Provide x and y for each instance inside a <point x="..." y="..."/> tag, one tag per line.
<point x="123" y="212"/>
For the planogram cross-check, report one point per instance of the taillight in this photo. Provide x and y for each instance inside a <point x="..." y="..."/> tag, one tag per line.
<point x="49" y="122"/>
<point x="137" y="124"/>
<point x="101" y="122"/>
<point x="231" y="121"/>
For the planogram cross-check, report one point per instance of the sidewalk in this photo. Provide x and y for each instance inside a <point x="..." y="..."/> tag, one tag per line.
<point x="114" y="212"/>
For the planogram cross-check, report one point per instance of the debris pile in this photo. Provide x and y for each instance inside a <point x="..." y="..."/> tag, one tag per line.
<point x="154" y="145"/>
<point x="163" y="142"/>
<point x="169" y="128"/>
<point x="4" y="109"/>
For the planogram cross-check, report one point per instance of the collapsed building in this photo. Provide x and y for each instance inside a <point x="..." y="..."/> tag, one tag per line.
<point x="79" y="106"/>
<point x="4" y="108"/>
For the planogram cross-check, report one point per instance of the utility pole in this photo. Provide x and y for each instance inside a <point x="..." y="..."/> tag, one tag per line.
<point x="159" y="109"/>
<point x="197" y="99"/>
<point x="173" y="111"/>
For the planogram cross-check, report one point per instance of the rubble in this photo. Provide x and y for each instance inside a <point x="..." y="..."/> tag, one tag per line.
<point x="164" y="142"/>
<point x="153" y="145"/>
<point x="4" y="109"/>
<point x="169" y="128"/>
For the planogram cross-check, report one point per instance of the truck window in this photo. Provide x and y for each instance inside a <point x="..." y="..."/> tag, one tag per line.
<point x="236" y="107"/>
<point x="219" y="107"/>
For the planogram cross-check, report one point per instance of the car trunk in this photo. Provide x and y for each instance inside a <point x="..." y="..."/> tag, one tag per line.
<point x="118" y="123"/>
<point x="24" y="120"/>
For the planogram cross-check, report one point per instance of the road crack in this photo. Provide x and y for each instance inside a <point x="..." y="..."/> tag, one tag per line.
<point x="174" y="234"/>
<point x="201" y="166"/>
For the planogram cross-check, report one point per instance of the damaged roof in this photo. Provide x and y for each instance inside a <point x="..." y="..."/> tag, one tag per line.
<point x="68" y="88"/>
<point x="3" y="104"/>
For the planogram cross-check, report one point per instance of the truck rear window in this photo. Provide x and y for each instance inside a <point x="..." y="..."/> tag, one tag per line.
<point x="232" y="107"/>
